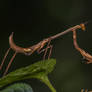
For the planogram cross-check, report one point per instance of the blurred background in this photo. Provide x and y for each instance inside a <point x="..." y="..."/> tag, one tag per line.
<point x="32" y="21"/>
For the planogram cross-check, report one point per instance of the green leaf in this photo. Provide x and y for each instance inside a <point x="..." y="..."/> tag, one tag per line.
<point x="39" y="70"/>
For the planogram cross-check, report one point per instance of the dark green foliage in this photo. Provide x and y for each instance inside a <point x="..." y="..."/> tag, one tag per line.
<point x="18" y="87"/>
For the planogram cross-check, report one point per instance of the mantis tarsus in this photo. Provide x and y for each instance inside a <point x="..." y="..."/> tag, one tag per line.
<point x="38" y="47"/>
<point x="85" y="90"/>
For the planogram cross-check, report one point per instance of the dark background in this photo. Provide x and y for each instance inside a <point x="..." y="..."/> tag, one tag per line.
<point x="33" y="20"/>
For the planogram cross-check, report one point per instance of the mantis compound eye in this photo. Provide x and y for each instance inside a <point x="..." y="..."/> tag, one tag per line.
<point x="27" y="50"/>
<point x="83" y="27"/>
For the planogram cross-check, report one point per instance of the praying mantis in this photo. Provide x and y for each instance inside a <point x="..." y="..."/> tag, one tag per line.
<point x="39" y="47"/>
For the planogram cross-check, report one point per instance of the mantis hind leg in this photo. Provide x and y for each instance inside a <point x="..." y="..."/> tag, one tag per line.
<point x="4" y="58"/>
<point x="7" y="68"/>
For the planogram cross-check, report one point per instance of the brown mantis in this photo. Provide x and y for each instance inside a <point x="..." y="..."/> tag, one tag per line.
<point x="39" y="47"/>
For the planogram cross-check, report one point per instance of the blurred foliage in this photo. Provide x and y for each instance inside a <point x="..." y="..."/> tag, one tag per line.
<point x="18" y="87"/>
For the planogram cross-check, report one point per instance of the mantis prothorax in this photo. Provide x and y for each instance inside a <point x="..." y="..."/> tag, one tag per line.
<point x="37" y="47"/>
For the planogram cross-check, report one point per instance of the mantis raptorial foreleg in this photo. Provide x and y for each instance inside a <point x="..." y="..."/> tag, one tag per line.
<point x="85" y="55"/>
<point x="45" y="51"/>
<point x="40" y="50"/>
